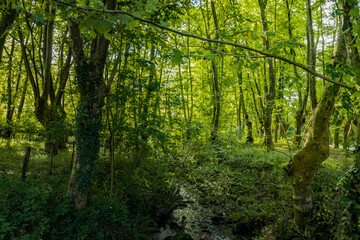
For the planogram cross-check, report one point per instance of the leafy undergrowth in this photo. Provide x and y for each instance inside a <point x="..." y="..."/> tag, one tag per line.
<point x="38" y="208"/>
<point x="243" y="183"/>
<point x="249" y="188"/>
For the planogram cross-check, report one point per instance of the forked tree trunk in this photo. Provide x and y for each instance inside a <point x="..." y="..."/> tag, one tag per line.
<point x="304" y="164"/>
<point x="302" y="168"/>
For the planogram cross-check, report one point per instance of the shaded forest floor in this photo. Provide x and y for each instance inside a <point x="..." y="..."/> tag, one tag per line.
<point x="244" y="186"/>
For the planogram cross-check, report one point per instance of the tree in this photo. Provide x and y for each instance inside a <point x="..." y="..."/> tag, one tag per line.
<point x="49" y="91"/>
<point x="303" y="166"/>
<point x="269" y="86"/>
<point x="8" y="16"/>
<point x="93" y="91"/>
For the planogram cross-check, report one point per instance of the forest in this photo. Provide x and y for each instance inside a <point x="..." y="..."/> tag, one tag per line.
<point x="180" y="120"/>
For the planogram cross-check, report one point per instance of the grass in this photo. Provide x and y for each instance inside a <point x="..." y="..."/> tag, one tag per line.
<point x="12" y="156"/>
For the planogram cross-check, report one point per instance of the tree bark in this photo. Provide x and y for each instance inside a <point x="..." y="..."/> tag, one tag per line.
<point x="248" y="123"/>
<point x="311" y="55"/>
<point x="48" y="108"/>
<point x="347" y="129"/>
<point x="302" y="168"/>
<point x="216" y="87"/>
<point x="25" y="163"/>
<point x="93" y="91"/>
<point x="10" y="97"/>
<point x="8" y="18"/>
<point x="337" y="132"/>
<point x="269" y="87"/>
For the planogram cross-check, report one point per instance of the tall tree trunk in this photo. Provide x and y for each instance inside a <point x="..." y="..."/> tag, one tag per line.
<point x="93" y="91"/>
<point x="216" y="87"/>
<point x="248" y="123"/>
<point x="22" y="100"/>
<point x="311" y="55"/>
<point x="357" y="130"/>
<point x="302" y="168"/>
<point x="269" y="87"/>
<point x="10" y="97"/>
<point x="149" y="93"/>
<point x="337" y="132"/>
<point x="300" y="111"/>
<point x="347" y="129"/>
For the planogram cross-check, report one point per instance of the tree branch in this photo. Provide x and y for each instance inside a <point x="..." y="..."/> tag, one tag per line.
<point x="211" y="40"/>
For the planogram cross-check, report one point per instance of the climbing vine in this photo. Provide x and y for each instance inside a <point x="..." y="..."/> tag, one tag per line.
<point x="88" y="124"/>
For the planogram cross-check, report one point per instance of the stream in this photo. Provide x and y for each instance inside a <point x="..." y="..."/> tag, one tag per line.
<point x="195" y="221"/>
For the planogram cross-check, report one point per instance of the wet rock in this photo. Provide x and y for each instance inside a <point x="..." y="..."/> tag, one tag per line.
<point x="180" y="236"/>
<point x="174" y="226"/>
<point x="218" y="220"/>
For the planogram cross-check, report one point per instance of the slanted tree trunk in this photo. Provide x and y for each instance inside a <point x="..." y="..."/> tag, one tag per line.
<point x="8" y="18"/>
<point x="302" y="168"/>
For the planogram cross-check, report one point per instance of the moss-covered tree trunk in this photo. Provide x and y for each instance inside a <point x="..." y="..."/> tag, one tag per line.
<point x="302" y="168"/>
<point x="304" y="164"/>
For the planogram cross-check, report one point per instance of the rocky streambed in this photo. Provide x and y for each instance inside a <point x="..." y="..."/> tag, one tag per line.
<point x="194" y="221"/>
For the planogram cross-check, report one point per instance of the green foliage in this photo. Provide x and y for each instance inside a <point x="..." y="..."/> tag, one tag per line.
<point x="88" y="124"/>
<point x="350" y="221"/>
<point x="38" y="210"/>
<point x="142" y="182"/>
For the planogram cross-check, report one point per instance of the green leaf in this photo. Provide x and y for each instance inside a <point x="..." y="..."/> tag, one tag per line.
<point x="164" y="24"/>
<point x="159" y="30"/>
<point x="39" y="18"/>
<point x="107" y="36"/>
<point x="209" y="56"/>
<point x="97" y="3"/>
<point x="177" y="56"/>
<point x="124" y="18"/>
<point x="356" y="94"/>
<point x="100" y="25"/>
<point x="270" y="33"/>
<point x="228" y="48"/>
<point x="354" y="12"/>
